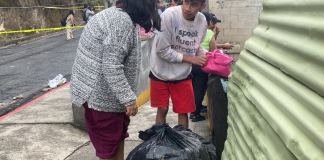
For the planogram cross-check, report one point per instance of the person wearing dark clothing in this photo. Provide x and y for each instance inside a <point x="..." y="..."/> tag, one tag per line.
<point x="199" y="83"/>
<point x="200" y="78"/>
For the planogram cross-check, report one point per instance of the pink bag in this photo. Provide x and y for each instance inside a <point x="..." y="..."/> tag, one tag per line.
<point x="144" y="35"/>
<point x="218" y="63"/>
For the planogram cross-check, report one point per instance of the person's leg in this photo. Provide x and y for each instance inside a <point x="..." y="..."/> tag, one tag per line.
<point x="68" y="32"/>
<point x="161" y="115"/>
<point x="72" y="34"/>
<point x="199" y="83"/>
<point x="160" y="100"/>
<point x="183" y="100"/>
<point x="183" y="119"/>
<point x="200" y="88"/>
<point x="204" y="102"/>
<point x="120" y="152"/>
<point x="107" y="131"/>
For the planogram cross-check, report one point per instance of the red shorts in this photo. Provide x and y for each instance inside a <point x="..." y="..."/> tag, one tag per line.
<point x="181" y="94"/>
<point x="106" y="131"/>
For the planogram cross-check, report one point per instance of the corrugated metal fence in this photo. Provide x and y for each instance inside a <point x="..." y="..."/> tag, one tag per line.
<point x="276" y="104"/>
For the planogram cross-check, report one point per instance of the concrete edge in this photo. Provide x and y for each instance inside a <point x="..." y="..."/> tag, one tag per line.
<point x="18" y="103"/>
<point x="143" y="98"/>
<point x="26" y="39"/>
<point x="33" y="101"/>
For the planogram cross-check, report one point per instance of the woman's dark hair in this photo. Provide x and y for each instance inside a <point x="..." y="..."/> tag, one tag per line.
<point x="214" y="20"/>
<point x="144" y="13"/>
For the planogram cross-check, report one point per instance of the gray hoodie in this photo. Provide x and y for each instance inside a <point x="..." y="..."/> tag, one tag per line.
<point x="178" y="37"/>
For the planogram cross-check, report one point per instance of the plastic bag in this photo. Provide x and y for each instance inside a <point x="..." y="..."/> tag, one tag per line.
<point x="144" y="35"/>
<point x="161" y="142"/>
<point x="58" y="80"/>
<point x="218" y="63"/>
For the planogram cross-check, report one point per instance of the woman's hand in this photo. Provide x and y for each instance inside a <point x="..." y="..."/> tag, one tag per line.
<point x="131" y="110"/>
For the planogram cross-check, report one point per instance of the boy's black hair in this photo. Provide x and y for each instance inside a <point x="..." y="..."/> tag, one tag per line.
<point x="144" y="13"/>
<point x="180" y="2"/>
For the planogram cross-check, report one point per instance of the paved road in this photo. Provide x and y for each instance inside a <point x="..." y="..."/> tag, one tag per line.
<point x="26" y="69"/>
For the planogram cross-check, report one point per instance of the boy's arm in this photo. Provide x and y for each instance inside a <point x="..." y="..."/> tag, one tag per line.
<point x="197" y="60"/>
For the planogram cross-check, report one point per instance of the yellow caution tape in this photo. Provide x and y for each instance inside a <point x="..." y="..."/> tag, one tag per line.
<point x="65" y="8"/>
<point x="53" y="7"/>
<point x="75" y="8"/>
<point x="39" y="30"/>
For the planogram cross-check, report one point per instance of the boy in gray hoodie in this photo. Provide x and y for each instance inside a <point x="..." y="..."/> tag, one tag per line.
<point x="175" y="49"/>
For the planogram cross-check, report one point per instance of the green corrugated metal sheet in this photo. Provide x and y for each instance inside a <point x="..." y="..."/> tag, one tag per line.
<point x="276" y="104"/>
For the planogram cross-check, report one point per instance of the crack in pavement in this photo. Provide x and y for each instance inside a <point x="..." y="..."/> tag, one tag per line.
<point x="88" y="143"/>
<point x="78" y="148"/>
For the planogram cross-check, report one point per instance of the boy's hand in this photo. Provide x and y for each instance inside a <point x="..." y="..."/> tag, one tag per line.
<point x="197" y="60"/>
<point x="131" y="110"/>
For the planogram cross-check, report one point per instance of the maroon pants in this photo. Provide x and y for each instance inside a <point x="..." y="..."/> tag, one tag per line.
<point x="106" y="131"/>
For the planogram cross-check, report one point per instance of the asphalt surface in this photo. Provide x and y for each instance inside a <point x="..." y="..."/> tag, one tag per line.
<point x="25" y="69"/>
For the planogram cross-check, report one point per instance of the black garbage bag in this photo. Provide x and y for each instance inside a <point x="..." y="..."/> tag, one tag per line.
<point x="161" y="142"/>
